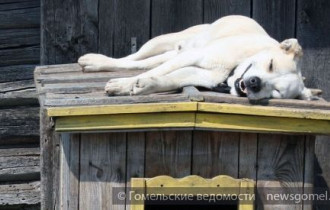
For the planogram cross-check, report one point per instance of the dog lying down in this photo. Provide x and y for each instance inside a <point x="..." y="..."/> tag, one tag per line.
<point x="234" y="50"/>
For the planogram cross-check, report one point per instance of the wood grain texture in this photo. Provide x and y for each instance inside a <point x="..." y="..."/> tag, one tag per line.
<point x="102" y="167"/>
<point x="309" y="169"/>
<point x="18" y="194"/>
<point x="49" y="164"/>
<point x="18" y="56"/>
<point x="135" y="159"/>
<point x="175" y="15"/>
<point x="312" y="30"/>
<point x="215" y="9"/>
<point x="280" y="164"/>
<point x="16" y="73"/>
<point x="248" y="149"/>
<point x="69" y="171"/>
<point x="212" y="153"/>
<point x="136" y="15"/>
<point x="22" y="121"/>
<point x="168" y="153"/>
<point x="18" y="14"/>
<point x="277" y="17"/>
<point x="10" y="38"/>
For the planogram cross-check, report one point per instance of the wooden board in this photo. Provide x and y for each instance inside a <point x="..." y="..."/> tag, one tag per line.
<point x="168" y="153"/>
<point x="215" y="9"/>
<point x="175" y="15"/>
<point x="69" y="171"/>
<point x="215" y="153"/>
<point x="280" y="164"/>
<point x="102" y="167"/>
<point x="20" y="194"/>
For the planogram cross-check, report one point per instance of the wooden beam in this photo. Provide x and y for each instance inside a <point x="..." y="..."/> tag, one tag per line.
<point x="122" y="109"/>
<point x="261" y="123"/>
<point x="125" y="121"/>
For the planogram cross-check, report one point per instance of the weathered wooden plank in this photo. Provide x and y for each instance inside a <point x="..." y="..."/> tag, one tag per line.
<point x="22" y="121"/>
<point x="18" y="56"/>
<point x="7" y="5"/>
<point x="16" y="86"/>
<point x="69" y="167"/>
<point x="175" y="15"/>
<point x="115" y="100"/>
<point x="102" y="168"/>
<point x="125" y="121"/>
<point x="280" y="164"/>
<point x="10" y="38"/>
<point x="19" y="168"/>
<point x="312" y="30"/>
<point x="168" y="153"/>
<point x="277" y="17"/>
<point x="212" y="151"/>
<point x="19" y="140"/>
<point x="135" y="163"/>
<point x="18" y="194"/>
<point x="49" y="164"/>
<point x="322" y="169"/>
<point x="106" y="26"/>
<point x="27" y="97"/>
<point x="16" y="72"/>
<point x="20" y="14"/>
<point x="248" y="149"/>
<point x="123" y="109"/>
<point x="215" y="9"/>
<point x="23" y="150"/>
<point x="309" y="158"/>
<point x="48" y="36"/>
<point x="136" y="15"/>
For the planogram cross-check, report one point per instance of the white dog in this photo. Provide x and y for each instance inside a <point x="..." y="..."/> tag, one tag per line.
<point x="235" y="50"/>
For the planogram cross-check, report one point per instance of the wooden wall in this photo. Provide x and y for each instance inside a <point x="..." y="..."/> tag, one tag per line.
<point x="91" y="164"/>
<point x="19" y="111"/>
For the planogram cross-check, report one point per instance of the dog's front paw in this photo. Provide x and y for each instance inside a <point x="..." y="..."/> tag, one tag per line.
<point x="95" y="62"/>
<point x="120" y="87"/>
<point x="145" y="86"/>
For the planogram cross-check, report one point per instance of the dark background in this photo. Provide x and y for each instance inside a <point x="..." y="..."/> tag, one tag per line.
<point x="71" y="28"/>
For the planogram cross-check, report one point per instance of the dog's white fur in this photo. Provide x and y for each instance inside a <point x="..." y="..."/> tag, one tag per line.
<point x="205" y="55"/>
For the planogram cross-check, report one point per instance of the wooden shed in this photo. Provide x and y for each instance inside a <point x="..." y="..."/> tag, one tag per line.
<point x="92" y="143"/>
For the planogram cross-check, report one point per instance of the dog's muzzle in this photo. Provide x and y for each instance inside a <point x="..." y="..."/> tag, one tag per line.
<point x="253" y="84"/>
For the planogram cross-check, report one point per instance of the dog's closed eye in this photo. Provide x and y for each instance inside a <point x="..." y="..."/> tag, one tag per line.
<point x="271" y="66"/>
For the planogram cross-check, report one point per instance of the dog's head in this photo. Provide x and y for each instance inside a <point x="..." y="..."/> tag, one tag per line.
<point x="271" y="73"/>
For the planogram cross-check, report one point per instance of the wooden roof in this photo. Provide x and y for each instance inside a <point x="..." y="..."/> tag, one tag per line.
<point x="78" y="102"/>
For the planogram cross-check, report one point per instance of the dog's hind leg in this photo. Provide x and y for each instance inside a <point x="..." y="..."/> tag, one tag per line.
<point x="188" y="76"/>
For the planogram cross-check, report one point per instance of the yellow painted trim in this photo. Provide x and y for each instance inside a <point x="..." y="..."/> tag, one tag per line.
<point x="125" y="121"/>
<point x="193" y="185"/>
<point x="138" y="188"/>
<point x="264" y="111"/>
<point x="122" y="109"/>
<point x="261" y="123"/>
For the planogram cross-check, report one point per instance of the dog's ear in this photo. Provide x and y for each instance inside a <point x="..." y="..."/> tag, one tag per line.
<point x="292" y="46"/>
<point x="310" y="94"/>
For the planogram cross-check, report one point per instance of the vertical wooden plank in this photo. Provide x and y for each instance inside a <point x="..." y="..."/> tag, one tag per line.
<point x="215" y="153"/>
<point x="135" y="159"/>
<point x="69" y="29"/>
<point x="175" y="15"/>
<point x="280" y="164"/>
<point x="102" y="167"/>
<point x="309" y="169"/>
<point x="168" y="153"/>
<point x="106" y="26"/>
<point x="49" y="163"/>
<point x="69" y="171"/>
<point x="277" y="17"/>
<point x="132" y="21"/>
<point x="313" y="34"/>
<point x="215" y="9"/>
<point x="47" y="32"/>
<point x="248" y="156"/>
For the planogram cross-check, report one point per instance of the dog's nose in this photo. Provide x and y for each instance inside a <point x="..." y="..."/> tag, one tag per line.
<point x="254" y="84"/>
